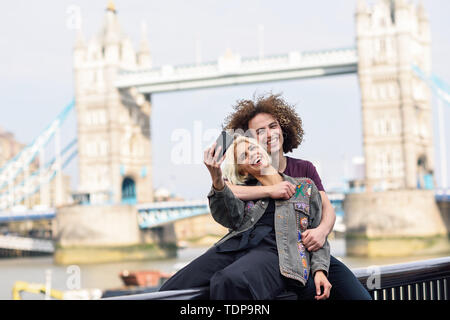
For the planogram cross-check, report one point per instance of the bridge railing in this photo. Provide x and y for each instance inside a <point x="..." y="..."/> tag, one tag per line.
<point x="420" y="280"/>
<point x="26" y="244"/>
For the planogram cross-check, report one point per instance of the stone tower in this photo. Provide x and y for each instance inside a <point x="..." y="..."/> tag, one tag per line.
<point x="396" y="215"/>
<point x="114" y="143"/>
<point x="391" y="36"/>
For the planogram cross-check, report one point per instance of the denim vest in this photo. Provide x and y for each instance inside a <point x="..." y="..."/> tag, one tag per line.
<point x="302" y="211"/>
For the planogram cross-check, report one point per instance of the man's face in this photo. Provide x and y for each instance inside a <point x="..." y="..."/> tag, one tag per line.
<point x="268" y="132"/>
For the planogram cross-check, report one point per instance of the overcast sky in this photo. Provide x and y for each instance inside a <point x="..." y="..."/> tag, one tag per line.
<point x="36" y="72"/>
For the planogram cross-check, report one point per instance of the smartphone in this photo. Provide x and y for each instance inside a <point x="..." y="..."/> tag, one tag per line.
<point x="224" y="140"/>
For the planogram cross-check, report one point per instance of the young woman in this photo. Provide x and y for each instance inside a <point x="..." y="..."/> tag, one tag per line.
<point x="278" y="128"/>
<point x="263" y="253"/>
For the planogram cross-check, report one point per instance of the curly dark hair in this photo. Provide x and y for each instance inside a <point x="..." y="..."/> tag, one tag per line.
<point x="273" y="104"/>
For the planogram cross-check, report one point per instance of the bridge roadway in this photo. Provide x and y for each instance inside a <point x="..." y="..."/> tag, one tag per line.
<point x="231" y="69"/>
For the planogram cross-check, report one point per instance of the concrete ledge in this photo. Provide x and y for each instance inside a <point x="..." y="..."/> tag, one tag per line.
<point x="397" y="246"/>
<point x="393" y="214"/>
<point x="103" y="254"/>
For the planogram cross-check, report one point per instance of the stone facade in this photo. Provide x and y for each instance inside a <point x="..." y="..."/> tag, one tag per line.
<point x="201" y="230"/>
<point x="114" y="142"/>
<point x="396" y="105"/>
<point x="93" y="234"/>
<point x="394" y="213"/>
<point x="392" y="217"/>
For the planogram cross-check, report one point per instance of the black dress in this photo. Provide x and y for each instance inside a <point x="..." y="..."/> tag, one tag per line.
<point x="243" y="267"/>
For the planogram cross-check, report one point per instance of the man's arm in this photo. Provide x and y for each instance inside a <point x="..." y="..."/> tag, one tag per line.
<point x="247" y="193"/>
<point x="314" y="239"/>
<point x="328" y="214"/>
<point x="283" y="190"/>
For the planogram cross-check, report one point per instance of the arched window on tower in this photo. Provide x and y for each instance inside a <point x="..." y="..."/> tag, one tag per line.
<point x="128" y="191"/>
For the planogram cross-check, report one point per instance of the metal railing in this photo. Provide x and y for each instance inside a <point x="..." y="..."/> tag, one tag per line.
<point x="420" y="280"/>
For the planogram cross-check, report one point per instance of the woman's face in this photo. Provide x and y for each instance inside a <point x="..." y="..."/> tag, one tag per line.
<point x="251" y="158"/>
<point x="268" y="132"/>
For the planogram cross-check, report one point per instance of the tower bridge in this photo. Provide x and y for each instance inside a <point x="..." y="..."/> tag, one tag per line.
<point x="113" y="88"/>
<point x="231" y="69"/>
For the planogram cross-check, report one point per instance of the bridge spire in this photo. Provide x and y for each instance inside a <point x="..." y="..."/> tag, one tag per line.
<point x="421" y="11"/>
<point x="361" y="6"/>
<point x="144" y="58"/>
<point x="111" y="6"/>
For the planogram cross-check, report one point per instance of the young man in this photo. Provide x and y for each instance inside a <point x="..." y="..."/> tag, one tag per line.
<point x="278" y="128"/>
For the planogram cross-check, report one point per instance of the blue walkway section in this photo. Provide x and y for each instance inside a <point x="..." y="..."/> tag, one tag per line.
<point x="156" y="214"/>
<point x="9" y="216"/>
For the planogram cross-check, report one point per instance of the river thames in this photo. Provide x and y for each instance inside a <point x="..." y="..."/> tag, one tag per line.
<point x="106" y="276"/>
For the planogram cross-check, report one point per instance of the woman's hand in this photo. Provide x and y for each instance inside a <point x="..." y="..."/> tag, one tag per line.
<point x="320" y="280"/>
<point x="213" y="165"/>
<point x="283" y="190"/>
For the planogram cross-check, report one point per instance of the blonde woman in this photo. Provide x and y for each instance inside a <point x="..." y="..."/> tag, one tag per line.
<point x="263" y="253"/>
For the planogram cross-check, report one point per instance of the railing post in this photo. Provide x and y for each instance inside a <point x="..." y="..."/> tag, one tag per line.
<point x="58" y="187"/>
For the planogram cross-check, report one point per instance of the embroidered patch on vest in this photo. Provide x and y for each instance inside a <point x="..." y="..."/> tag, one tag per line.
<point x="299" y="190"/>
<point x="250" y="205"/>
<point x="305" y="265"/>
<point x="301" y="249"/>
<point x="301" y="206"/>
<point x="304" y="189"/>
<point x="304" y="223"/>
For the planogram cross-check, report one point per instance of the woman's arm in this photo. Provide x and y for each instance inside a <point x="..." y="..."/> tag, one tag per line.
<point x="225" y="208"/>
<point x="283" y="190"/>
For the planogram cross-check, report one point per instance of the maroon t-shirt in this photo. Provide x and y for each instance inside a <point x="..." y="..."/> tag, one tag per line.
<point x="298" y="168"/>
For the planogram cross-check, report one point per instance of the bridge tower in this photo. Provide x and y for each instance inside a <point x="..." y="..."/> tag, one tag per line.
<point x="396" y="105"/>
<point x="396" y="215"/>
<point x="114" y="142"/>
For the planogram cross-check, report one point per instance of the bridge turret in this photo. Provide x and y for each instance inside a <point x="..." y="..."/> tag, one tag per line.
<point x="361" y="6"/>
<point x="110" y="36"/>
<point x="144" y="57"/>
<point x="80" y="49"/>
<point x="396" y="107"/>
<point x="362" y="17"/>
<point x="114" y="144"/>
<point x="425" y="36"/>
<point x="128" y="55"/>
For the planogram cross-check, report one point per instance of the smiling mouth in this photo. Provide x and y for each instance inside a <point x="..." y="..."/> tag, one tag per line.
<point x="272" y="141"/>
<point x="257" y="161"/>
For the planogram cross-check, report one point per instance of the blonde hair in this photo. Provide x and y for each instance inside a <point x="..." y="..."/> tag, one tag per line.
<point x="230" y="165"/>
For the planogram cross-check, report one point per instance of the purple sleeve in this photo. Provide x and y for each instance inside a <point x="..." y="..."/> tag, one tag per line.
<point x="312" y="174"/>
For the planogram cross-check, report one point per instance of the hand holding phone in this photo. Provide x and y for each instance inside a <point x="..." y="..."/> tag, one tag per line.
<point x="224" y="140"/>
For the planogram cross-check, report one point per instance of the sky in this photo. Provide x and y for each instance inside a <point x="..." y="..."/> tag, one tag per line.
<point x="36" y="79"/>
